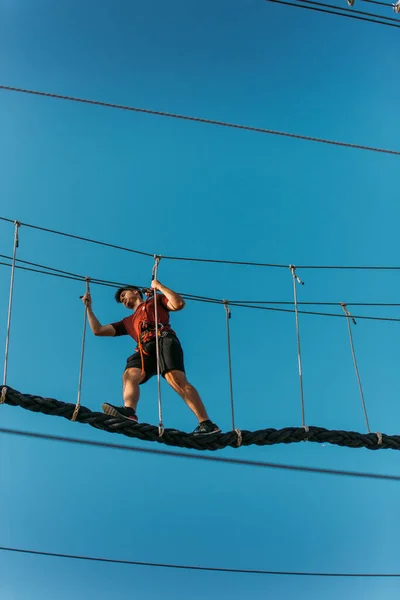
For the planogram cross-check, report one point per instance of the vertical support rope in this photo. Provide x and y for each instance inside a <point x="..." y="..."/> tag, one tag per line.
<point x="296" y="280"/>
<point x="228" y="334"/>
<point x="17" y="225"/>
<point x="154" y="275"/>
<point x="348" y="317"/>
<point x="78" y="402"/>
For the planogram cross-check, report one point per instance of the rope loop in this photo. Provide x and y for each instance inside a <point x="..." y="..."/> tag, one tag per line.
<point x="161" y="430"/>
<point x="239" y="438"/>
<point x="379" y="436"/>
<point x="154" y="273"/>
<point x="228" y="310"/>
<point x="76" y="412"/>
<point x="3" y="395"/>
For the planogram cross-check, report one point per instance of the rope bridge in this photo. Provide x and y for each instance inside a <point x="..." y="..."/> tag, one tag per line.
<point x="172" y="437"/>
<point x="216" y="441"/>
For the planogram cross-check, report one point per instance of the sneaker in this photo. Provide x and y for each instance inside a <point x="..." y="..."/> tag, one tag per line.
<point x="206" y="428"/>
<point x="120" y="411"/>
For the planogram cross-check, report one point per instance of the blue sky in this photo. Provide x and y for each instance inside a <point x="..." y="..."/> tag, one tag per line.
<point x="178" y="188"/>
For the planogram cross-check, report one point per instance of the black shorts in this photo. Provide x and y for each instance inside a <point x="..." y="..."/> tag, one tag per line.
<point x="171" y="357"/>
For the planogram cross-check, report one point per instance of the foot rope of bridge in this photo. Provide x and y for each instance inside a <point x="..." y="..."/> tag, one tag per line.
<point x="216" y="441"/>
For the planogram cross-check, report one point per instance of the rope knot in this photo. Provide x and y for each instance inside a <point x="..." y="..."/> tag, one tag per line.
<point x="379" y="436"/>
<point x="228" y="310"/>
<point x="347" y="312"/>
<point x="161" y="430"/>
<point x="295" y="276"/>
<point x="16" y="233"/>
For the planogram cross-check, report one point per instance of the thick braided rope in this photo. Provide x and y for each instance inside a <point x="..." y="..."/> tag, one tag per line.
<point x="217" y="441"/>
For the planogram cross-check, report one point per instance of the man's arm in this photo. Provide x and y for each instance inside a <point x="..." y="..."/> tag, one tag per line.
<point x="95" y="325"/>
<point x="175" y="301"/>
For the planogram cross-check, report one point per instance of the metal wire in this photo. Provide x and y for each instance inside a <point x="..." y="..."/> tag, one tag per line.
<point x="350" y="10"/>
<point x="194" y="567"/>
<point x="212" y="121"/>
<point x="199" y="457"/>
<point x="339" y="14"/>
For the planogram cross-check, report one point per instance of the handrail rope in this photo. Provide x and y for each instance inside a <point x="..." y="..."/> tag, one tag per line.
<point x="232" y="302"/>
<point x="117" y="284"/>
<point x="207" y="260"/>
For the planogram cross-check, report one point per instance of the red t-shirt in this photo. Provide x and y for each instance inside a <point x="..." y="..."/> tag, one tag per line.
<point x="144" y="318"/>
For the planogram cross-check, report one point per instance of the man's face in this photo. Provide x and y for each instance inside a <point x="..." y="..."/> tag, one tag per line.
<point x="129" y="298"/>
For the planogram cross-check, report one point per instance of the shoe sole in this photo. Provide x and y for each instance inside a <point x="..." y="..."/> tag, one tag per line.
<point x="109" y="410"/>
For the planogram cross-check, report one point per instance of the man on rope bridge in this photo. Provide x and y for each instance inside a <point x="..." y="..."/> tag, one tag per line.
<point x="142" y="364"/>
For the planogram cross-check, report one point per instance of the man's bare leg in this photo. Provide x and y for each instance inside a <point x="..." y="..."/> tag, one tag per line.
<point x="177" y="380"/>
<point x="131" y="392"/>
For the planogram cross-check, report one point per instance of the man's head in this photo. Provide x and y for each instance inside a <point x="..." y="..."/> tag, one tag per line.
<point x="129" y="296"/>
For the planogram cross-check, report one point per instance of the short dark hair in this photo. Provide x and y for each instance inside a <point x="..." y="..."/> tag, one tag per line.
<point x="127" y="287"/>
